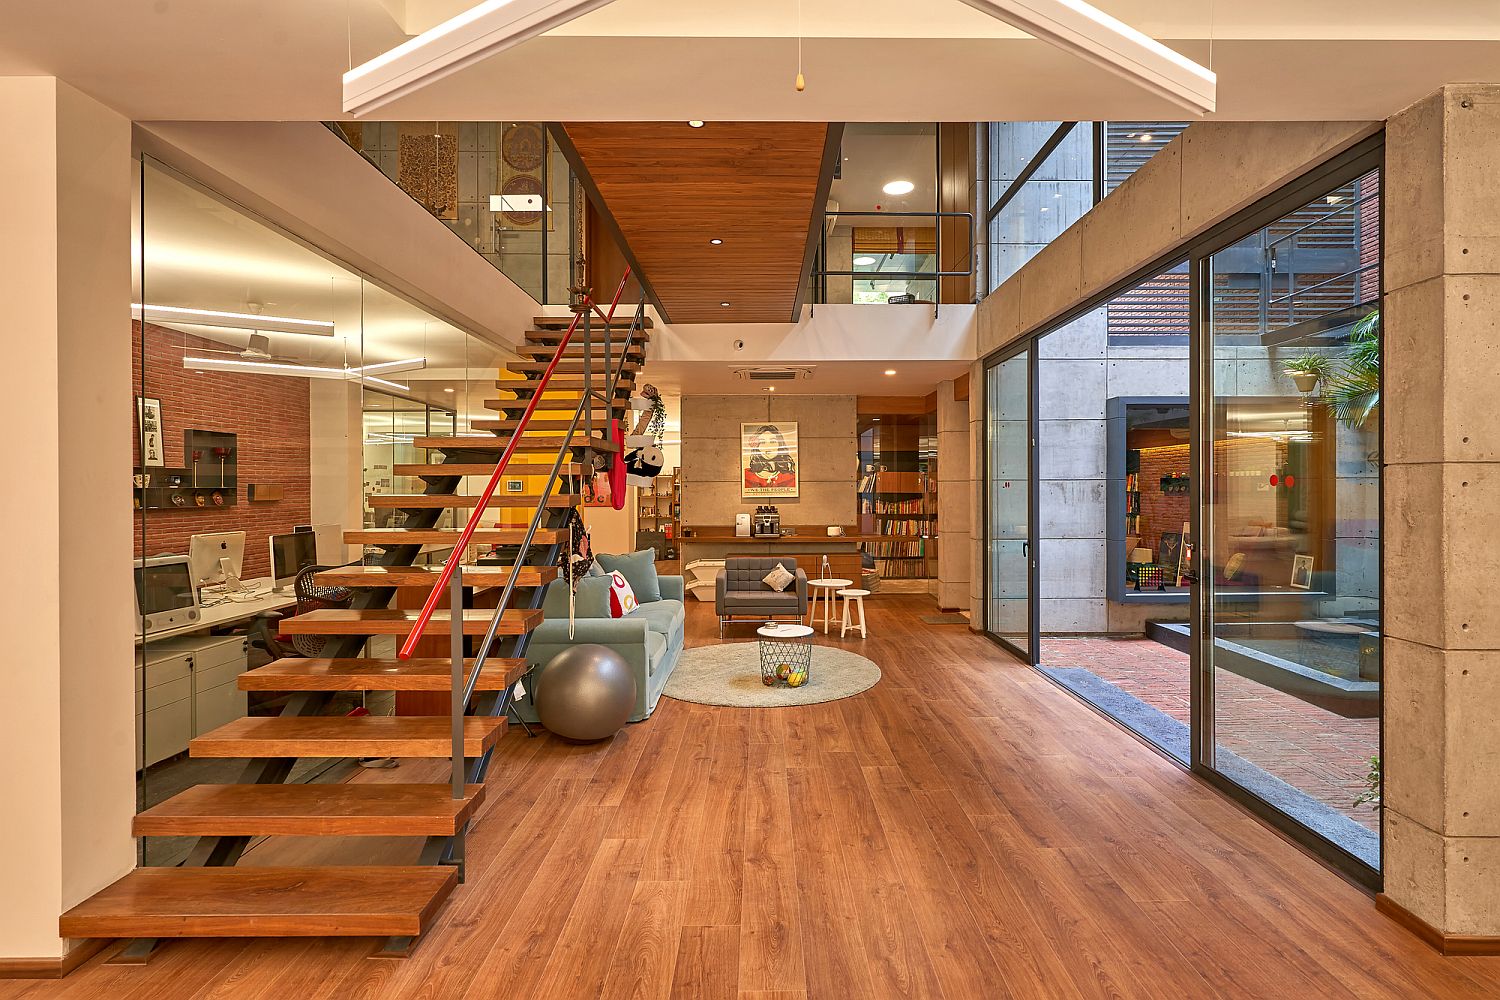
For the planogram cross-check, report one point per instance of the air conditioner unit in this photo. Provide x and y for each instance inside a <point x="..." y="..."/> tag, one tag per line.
<point x="768" y="374"/>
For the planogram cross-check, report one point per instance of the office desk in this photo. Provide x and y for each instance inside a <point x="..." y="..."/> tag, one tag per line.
<point x="227" y="612"/>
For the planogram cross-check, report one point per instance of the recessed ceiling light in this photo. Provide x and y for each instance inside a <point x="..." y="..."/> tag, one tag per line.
<point x="890" y="371"/>
<point x="447" y="390"/>
<point x="863" y="261"/>
<point x="899" y="187"/>
<point x="716" y="241"/>
<point x="724" y="304"/>
<point x="1145" y="137"/>
<point x="696" y="124"/>
<point x="876" y="419"/>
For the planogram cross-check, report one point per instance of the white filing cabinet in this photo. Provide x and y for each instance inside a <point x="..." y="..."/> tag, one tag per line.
<point x="186" y="686"/>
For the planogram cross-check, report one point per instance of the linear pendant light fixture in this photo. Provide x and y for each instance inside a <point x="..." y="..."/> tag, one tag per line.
<point x="496" y="25"/>
<point x="365" y="374"/>
<point x="231" y="320"/>
<point x="1110" y="43"/>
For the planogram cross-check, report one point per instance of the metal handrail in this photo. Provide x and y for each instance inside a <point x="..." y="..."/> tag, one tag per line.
<point x="463" y="691"/>
<point x="424" y="617"/>
<point x="818" y="271"/>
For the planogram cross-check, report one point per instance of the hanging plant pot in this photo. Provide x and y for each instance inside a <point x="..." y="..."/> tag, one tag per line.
<point x="1305" y="383"/>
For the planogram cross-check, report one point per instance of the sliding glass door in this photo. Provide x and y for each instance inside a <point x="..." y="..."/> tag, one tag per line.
<point x="1182" y="507"/>
<point x="1008" y="458"/>
<point x="1293" y="602"/>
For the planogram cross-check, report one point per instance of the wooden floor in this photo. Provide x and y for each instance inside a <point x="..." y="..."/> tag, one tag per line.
<point x="965" y="829"/>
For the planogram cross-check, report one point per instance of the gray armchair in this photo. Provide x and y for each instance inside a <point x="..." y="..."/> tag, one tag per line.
<point x="742" y="591"/>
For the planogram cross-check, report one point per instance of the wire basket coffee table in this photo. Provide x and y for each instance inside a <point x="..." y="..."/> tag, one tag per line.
<point x="785" y="654"/>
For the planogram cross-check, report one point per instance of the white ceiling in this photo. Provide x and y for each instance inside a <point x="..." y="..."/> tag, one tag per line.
<point x="875" y="154"/>
<point x="843" y="377"/>
<point x="865" y="60"/>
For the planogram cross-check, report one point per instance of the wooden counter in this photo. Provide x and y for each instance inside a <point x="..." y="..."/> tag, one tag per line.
<point x="808" y="546"/>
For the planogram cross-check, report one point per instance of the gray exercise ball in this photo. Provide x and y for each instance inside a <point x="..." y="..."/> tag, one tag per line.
<point x="585" y="693"/>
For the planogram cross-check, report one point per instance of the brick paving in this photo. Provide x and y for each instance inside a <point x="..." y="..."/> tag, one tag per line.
<point x="1318" y="752"/>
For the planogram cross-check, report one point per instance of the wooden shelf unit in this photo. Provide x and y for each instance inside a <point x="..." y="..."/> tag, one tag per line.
<point x="658" y="508"/>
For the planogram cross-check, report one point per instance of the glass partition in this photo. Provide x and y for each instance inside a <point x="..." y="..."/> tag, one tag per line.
<point x="1294" y="498"/>
<point x="277" y="392"/>
<point x="503" y="187"/>
<point x="1008" y="458"/>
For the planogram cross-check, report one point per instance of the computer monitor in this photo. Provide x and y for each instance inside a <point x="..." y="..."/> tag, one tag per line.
<point x="207" y="555"/>
<point x="290" y="554"/>
<point x="165" y="596"/>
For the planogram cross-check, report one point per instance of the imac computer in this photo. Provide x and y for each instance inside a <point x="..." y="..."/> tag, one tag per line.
<point x="290" y="554"/>
<point x="217" y="558"/>
<point x="165" y="596"/>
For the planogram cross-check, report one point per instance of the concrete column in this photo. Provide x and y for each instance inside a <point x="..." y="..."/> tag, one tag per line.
<point x="954" y="494"/>
<point x="67" y="724"/>
<point x="977" y="512"/>
<point x="1442" y="489"/>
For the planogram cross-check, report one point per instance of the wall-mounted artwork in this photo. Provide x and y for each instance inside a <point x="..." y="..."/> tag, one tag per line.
<point x="148" y="412"/>
<point x="768" y="462"/>
<point x="1302" y="572"/>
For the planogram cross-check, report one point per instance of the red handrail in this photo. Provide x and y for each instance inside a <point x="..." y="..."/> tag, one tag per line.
<point x="430" y="605"/>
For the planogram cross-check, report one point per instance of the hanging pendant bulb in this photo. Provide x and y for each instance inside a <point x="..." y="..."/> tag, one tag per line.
<point x="801" y="83"/>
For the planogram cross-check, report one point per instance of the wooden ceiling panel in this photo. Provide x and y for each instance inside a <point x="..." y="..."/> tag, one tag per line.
<point x="671" y="188"/>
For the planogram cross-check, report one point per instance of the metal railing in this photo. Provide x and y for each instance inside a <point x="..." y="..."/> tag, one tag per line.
<point x="820" y="272"/>
<point x="424" y="617"/>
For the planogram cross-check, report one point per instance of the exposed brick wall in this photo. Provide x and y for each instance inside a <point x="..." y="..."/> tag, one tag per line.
<point x="269" y="413"/>
<point x="1159" y="511"/>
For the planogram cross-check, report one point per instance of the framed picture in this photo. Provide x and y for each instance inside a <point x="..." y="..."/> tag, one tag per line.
<point x="1302" y="571"/>
<point x="769" y="467"/>
<point x="1169" y="554"/>
<point x="148" y="417"/>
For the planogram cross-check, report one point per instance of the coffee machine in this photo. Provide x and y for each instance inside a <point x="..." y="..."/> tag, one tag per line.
<point x="766" y="523"/>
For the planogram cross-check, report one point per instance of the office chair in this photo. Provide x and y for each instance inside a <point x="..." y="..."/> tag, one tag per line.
<point x="311" y="596"/>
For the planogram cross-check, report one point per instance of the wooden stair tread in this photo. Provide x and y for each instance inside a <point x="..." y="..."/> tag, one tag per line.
<point x="444" y="501"/>
<point x="352" y="901"/>
<point x="398" y="621"/>
<point x="529" y="442"/>
<point x="364" y="809"/>
<point x="440" y="470"/>
<point x="575" y="349"/>
<point x="297" y="673"/>
<point x="426" y="576"/>
<point x="346" y="736"/>
<point x="537" y="425"/>
<point x="549" y="409"/>
<point x="567" y="383"/>
<point x="565" y="367"/>
<point x="558" y="324"/>
<point x="389" y="537"/>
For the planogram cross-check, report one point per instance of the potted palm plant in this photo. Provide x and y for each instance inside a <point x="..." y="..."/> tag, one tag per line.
<point x="1352" y="389"/>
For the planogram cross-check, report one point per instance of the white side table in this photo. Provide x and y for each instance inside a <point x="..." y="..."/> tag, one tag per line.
<point x="826" y="588"/>
<point x="855" y="597"/>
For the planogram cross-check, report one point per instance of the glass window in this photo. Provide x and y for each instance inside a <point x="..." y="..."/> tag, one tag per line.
<point x="1295" y="506"/>
<point x="1008" y="501"/>
<point x="1128" y="145"/>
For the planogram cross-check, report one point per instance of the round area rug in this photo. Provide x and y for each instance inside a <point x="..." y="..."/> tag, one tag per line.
<point x="730" y="675"/>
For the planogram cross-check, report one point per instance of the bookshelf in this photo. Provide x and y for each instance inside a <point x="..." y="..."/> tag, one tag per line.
<point x="898" y="494"/>
<point x="658" y="514"/>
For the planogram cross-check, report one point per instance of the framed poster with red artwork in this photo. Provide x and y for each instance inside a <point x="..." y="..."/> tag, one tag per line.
<point x="768" y="461"/>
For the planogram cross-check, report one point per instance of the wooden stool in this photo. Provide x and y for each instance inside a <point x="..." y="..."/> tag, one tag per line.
<point x="854" y="597"/>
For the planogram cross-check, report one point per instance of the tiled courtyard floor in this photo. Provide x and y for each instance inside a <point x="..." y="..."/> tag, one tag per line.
<point x="1318" y="752"/>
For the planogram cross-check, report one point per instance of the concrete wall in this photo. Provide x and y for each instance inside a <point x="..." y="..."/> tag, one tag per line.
<point x="828" y="457"/>
<point x="954" y="499"/>
<point x="67" y="721"/>
<point x="1442" y="455"/>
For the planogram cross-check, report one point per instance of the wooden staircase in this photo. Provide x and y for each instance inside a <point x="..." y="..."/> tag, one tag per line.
<point x="211" y="895"/>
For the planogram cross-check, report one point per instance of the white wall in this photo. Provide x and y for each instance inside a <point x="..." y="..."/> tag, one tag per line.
<point x="67" y="718"/>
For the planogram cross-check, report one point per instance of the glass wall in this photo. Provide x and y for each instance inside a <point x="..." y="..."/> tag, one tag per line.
<point x="1294" y="509"/>
<point x="1027" y="205"/>
<point x="503" y="187"/>
<point x="1008" y="454"/>
<point x="880" y="234"/>
<point x="278" y="394"/>
<point x="1113" y="455"/>
<point x="1206" y="512"/>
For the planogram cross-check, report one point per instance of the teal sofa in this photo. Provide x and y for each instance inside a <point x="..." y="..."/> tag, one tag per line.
<point x="650" y="638"/>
